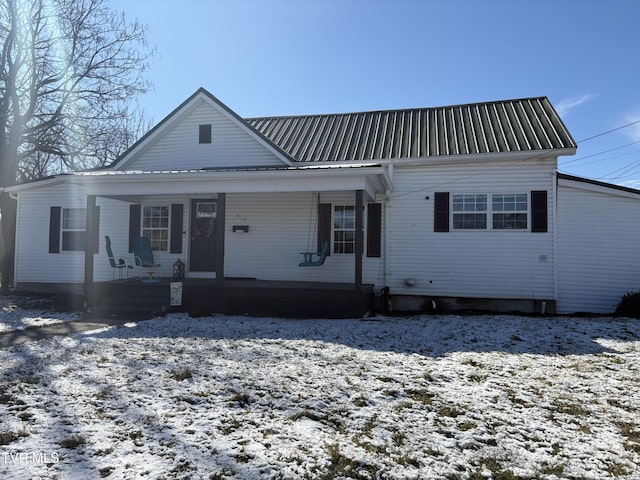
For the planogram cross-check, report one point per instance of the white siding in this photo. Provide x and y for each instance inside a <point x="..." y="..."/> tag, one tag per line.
<point x="598" y="249"/>
<point x="467" y="263"/>
<point x="280" y="227"/>
<point x="34" y="263"/>
<point x="177" y="147"/>
<point x="114" y="221"/>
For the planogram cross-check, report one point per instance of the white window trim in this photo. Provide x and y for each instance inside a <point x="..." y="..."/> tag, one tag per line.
<point x="489" y="212"/>
<point x="512" y="212"/>
<point x="334" y="229"/>
<point x="63" y="229"/>
<point x="167" y="228"/>
<point x="470" y="212"/>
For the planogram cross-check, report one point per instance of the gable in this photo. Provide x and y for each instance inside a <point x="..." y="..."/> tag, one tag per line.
<point x="175" y="144"/>
<point x="230" y="142"/>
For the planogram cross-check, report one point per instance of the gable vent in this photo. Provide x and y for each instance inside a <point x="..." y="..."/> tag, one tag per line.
<point x="204" y="134"/>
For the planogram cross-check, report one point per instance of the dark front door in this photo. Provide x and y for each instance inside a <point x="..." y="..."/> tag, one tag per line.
<point x="203" y="236"/>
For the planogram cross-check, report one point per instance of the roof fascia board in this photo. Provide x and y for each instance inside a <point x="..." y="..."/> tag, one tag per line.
<point x="372" y="180"/>
<point x="200" y="95"/>
<point x="46" y="182"/>
<point x="597" y="186"/>
<point x="480" y="158"/>
<point x="148" y="137"/>
<point x="441" y="159"/>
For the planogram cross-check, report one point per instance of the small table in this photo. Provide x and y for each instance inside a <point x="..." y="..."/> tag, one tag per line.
<point x="150" y="279"/>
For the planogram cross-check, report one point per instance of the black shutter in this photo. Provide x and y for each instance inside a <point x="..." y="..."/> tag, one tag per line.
<point x="54" y="229"/>
<point x="539" y="211"/>
<point x="441" y="212"/>
<point x="374" y="230"/>
<point x="324" y="225"/>
<point x="135" y="217"/>
<point x="175" y="245"/>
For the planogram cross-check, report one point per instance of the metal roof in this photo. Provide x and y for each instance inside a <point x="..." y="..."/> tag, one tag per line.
<point x="523" y="125"/>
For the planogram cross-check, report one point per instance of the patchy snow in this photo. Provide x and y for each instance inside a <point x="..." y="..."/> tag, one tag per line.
<point x="14" y="316"/>
<point x="425" y="397"/>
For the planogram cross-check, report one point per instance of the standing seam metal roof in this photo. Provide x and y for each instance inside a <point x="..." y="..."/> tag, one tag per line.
<point x="529" y="124"/>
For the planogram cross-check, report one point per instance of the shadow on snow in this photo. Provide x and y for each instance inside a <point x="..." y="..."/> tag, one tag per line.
<point x="425" y="335"/>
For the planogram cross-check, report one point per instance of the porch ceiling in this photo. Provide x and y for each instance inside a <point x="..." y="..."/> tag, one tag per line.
<point x="371" y="180"/>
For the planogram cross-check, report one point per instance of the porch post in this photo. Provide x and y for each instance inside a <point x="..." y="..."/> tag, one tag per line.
<point x="359" y="238"/>
<point x="89" y="243"/>
<point x="220" y="228"/>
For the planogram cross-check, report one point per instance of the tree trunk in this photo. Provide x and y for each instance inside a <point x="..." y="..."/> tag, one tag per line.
<point x="8" y="227"/>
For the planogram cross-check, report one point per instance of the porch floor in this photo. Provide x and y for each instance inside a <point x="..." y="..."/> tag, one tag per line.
<point x="137" y="299"/>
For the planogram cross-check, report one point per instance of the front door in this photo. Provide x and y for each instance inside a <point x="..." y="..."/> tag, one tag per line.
<point x="203" y="236"/>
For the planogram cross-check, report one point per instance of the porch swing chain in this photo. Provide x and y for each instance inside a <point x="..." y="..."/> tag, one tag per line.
<point x="312" y="225"/>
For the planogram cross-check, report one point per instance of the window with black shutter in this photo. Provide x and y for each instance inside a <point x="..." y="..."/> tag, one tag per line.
<point x="539" y="211"/>
<point x="441" y="212"/>
<point x="54" y="229"/>
<point x="374" y="230"/>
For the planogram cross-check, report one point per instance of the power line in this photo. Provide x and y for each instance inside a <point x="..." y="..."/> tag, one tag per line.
<point x="609" y="131"/>
<point x="603" y="152"/>
<point x="622" y="172"/>
<point x="581" y="159"/>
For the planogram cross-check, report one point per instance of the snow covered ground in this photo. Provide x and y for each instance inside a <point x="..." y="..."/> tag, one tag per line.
<point x="428" y="397"/>
<point x="38" y="313"/>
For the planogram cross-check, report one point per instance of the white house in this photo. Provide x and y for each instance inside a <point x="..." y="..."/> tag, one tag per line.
<point x="449" y="207"/>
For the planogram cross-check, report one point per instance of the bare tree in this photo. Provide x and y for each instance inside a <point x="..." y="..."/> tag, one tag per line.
<point x="69" y="73"/>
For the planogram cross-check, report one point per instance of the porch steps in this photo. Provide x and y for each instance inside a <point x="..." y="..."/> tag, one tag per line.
<point x="127" y="301"/>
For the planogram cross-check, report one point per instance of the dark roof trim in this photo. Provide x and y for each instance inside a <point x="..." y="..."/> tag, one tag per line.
<point x="520" y="125"/>
<point x="41" y="179"/>
<point x="200" y="91"/>
<point x="154" y="129"/>
<point x="613" y="186"/>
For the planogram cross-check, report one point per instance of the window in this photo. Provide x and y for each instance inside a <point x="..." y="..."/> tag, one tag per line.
<point x="344" y="229"/>
<point x="74" y="229"/>
<point x="204" y="133"/>
<point x="155" y="226"/>
<point x="470" y="212"/>
<point x="509" y="211"/>
<point x="506" y="211"/>
<point x="206" y="210"/>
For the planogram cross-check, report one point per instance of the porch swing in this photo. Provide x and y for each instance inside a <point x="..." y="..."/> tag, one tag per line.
<point x="308" y="256"/>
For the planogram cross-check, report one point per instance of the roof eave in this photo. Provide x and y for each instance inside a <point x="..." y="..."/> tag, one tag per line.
<point x="39" y="183"/>
<point x="482" y="157"/>
<point x="128" y="155"/>
<point x="597" y="185"/>
<point x="374" y="179"/>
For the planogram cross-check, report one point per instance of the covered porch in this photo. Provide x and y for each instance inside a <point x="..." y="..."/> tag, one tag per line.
<point x="263" y="221"/>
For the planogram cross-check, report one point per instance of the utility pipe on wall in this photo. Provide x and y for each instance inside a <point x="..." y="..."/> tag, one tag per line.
<point x="387" y="228"/>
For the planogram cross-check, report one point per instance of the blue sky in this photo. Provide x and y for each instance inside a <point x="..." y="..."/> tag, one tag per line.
<point x="281" y="57"/>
